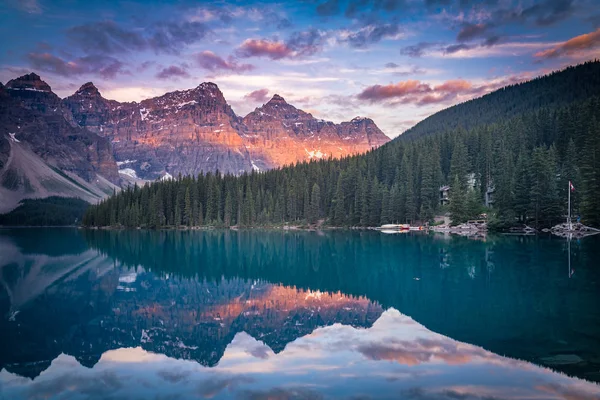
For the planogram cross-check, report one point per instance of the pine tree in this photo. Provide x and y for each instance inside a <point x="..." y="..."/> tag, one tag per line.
<point x="315" y="204"/>
<point x="228" y="209"/>
<point x="187" y="211"/>
<point x="339" y="214"/>
<point x="458" y="202"/>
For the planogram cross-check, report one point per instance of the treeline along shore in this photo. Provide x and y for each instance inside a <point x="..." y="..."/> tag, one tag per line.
<point x="511" y="154"/>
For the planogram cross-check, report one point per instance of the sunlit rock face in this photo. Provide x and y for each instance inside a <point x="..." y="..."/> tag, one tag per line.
<point x="196" y="130"/>
<point x="278" y="134"/>
<point x="182" y="132"/>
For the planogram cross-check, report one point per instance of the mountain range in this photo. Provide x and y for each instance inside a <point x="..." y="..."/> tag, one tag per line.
<point x="87" y="146"/>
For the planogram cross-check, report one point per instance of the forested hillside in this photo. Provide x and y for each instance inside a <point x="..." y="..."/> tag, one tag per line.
<point x="50" y="211"/>
<point x="551" y="91"/>
<point x="528" y="158"/>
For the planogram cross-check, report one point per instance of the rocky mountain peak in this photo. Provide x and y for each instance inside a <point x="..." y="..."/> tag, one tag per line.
<point x="277" y="106"/>
<point x="277" y="101"/>
<point x="210" y="89"/>
<point x="88" y="89"/>
<point x="30" y="81"/>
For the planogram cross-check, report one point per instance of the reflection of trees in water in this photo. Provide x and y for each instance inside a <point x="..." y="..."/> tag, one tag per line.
<point x="509" y="294"/>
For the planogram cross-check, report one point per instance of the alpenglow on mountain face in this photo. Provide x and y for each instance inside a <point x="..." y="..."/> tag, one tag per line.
<point x="87" y="146"/>
<point x="196" y="130"/>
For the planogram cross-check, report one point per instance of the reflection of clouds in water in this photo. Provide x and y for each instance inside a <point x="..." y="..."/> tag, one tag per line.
<point x="103" y="385"/>
<point x="396" y="358"/>
<point x="421" y="351"/>
<point x="174" y="376"/>
<point x="282" y="394"/>
<point x="209" y="388"/>
<point x="566" y="391"/>
<point x="252" y="346"/>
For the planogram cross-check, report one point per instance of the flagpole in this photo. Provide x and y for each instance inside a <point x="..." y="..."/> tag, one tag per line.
<point x="569" y="213"/>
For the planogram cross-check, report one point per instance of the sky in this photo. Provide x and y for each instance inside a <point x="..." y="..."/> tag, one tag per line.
<point x="395" y="61"/>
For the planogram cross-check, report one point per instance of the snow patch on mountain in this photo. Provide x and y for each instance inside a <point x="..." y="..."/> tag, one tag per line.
<point x="129" y="172"/>
<point x="314" y="154"/>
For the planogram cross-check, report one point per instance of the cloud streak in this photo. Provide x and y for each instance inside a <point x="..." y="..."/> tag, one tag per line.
<point x="263" y="48"/>
<point x="104" y="66"/>
<point x="573" y="46"/>
<point x="421" y="93"/>
<point x="259" y="96"/>
<point x="212" y="62"/>
<point x="299" y="44"/>
<point x="107" y="37"/>
<point x="369" y="34"/>
<point x="173" y="72"/>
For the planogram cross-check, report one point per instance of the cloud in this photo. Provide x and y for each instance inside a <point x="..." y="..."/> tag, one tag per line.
<point x="212" y="62"/>
<point x="176" y="376"/>
<point x="103" y="385"/>
<point x="227" y="14"/>
<point x="168" y="37"/>
<point x="423" y="350"/>
<point x="328" y="8"/>
<point x="471" y="31"/>
<point x="564" y="391"/>
<point x="299" y="44"/>
<point x="377" y="93"/>
<point x="491" y="47"/>
<point x="263" y="48"/>
<point x="28" y="6"/>
<point x="259" y="96"/>
<point x="417" y="50"/>
<point x="306" y="43"/>
<point x="421" y="93"/>
<point x="368" y="9"/>
<point x="209" y="388"/>
<point x="455" y="48"/>
<point x="370" y="34"/>
<point x="173" y="72"/>
<point x="549" y="11"/>
<point x="107" y="37"/>
<point x="104" y="66"/>
<point x="145" y="65"/>
<point x="594" y="20"/>
<point x="287" y="393"/>
<point x="573" y="46"/>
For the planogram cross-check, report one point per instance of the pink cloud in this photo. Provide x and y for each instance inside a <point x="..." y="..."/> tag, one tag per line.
<point x="105" y="66"/>
<point x="422" y="93"/>
<point x="259" y="96"/>
<point x="401" y="89"/>
<point x="572" y="46"/>
<point x="212" y="62"/>
<point x="264" y="48"/>
<point x="172" y="72"/>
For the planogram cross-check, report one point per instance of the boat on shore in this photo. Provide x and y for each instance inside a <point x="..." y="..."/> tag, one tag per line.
<point x="395" y="228"/>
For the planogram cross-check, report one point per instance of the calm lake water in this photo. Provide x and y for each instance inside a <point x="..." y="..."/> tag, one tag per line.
<point x="296" y="315"/>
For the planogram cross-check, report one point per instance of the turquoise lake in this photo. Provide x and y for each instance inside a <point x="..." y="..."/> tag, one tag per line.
<point x="261" y="314"/>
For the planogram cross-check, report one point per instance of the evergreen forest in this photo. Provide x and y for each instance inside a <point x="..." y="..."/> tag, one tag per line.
<point x="521" y="145"/>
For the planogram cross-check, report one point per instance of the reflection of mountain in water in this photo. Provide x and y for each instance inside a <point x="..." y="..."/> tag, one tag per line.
<point x="83" y="306"/>
<point x="395" y="358"/>
<point x="511" y="295"/>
